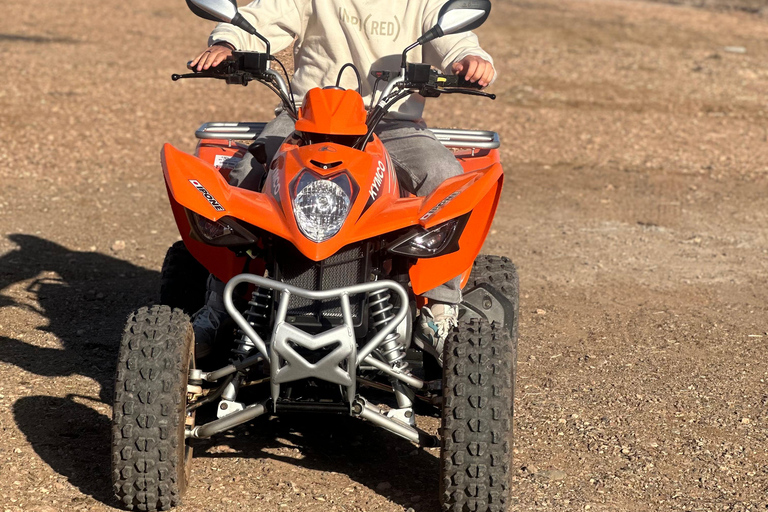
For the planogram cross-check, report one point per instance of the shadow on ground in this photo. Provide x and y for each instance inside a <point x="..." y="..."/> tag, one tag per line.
<point x="19" y="38"/>
<point x="86" y="298"/>
<point x="381" y="461"/>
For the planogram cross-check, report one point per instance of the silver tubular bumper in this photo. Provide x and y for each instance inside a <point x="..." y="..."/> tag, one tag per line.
<point x="451" y="138"/>
<point x="286" y="364"/>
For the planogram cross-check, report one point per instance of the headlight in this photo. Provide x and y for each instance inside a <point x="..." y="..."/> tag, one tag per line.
<point x="225" y="232"/>
<point x="437" y="241"/>
<point x="320" y="207"/>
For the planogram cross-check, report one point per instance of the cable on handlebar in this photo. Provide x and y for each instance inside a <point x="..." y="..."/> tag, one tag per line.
<point x="357" y="74"/>
<point x="288" y="80"/>
<point x="378" y="115"/>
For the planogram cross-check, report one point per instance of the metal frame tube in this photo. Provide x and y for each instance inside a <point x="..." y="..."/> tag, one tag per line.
<point x="314" y="295"/>
<point x="384" y="367"/>
<point x="372" y="414"/>
<point x="232" y="368"/>
<point x="227" y="422"/>
<point x="449" y="137"/>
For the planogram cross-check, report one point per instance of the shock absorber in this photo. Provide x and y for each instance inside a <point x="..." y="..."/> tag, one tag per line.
<point x="393" y="350"/>
<point x="257" y="316"/>
<point x="381" y="311"/>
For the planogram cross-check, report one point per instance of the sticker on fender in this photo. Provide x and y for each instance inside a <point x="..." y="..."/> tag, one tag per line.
<point x="207" y="195"/>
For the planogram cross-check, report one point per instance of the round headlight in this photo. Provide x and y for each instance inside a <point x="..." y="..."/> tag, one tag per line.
<point x="321" y="208"/>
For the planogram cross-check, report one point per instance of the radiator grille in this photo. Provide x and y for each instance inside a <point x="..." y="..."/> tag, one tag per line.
<point x="345" y="268"/>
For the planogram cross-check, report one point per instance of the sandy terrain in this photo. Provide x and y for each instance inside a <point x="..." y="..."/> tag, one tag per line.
<point x="636" y="153"/>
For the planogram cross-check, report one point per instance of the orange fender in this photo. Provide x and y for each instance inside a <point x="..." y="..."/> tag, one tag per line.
<point x="477" y="192"/>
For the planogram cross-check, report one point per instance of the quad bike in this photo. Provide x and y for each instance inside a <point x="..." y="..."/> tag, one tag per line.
<point x="325" y="268"/>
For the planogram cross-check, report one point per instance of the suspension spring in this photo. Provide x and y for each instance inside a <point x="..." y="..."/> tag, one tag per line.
<point x="382" y="312"/>
<point x="257" y="316"/>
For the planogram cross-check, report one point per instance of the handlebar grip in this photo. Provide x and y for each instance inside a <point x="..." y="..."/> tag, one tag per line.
<point x="456" y="81"/>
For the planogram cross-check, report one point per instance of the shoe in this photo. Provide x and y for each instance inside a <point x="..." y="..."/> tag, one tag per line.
<point x="206" y="324"/>
<point x="434" y="326"/>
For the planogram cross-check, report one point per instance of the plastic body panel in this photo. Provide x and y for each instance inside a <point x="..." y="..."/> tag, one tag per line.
<point x="476" y="191"/>
<point x="377" y="208"/>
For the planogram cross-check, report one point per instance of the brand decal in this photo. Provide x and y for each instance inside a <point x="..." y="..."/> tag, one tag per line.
<point x="328" y="148"/>
<point x="276" y="186"/>
<point x="378" y="179"/>
<point x="372" y="25"/>
<point x="207" y="195"/>
<point x="439" y="205"/>
<point x="225" y="162"/>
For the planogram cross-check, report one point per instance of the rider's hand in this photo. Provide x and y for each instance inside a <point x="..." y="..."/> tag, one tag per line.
<point x="211" y="57"/>
<point x="475" y="69"/>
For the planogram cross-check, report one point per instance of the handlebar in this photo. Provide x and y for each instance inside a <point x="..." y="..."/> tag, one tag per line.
<point x="245" y="67"/>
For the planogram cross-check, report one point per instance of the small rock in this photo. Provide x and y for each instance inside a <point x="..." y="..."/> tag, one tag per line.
<point x="383" y="486"/>
<point x="552" y="474"/>
<point x="541" y="312"/>
<point x="735" y="49"/>
<point x="745" y="421"/>
<point x="119" y="245"/>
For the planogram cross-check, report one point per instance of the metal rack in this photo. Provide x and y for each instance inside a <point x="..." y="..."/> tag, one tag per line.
<point x="451" y="138"/>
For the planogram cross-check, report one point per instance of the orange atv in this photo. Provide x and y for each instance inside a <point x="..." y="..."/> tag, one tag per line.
<point x="325" y="267"/>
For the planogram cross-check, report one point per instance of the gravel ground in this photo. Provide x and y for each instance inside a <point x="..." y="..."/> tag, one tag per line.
<point x="636" y="155"/>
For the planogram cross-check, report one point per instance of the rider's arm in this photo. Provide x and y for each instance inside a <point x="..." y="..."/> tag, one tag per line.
<point x="280" y="21"/>
<point x="453" y="53"/>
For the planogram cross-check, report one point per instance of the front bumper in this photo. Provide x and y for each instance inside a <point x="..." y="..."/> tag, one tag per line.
<point x="341" y="364"/>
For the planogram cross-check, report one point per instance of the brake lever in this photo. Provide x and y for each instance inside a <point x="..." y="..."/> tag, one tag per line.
<point x="176" y="77"/>
<point x="471" y="92"/>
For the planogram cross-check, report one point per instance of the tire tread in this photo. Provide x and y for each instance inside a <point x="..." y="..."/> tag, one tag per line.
<point x="148" y="461"/>
<point x="479" y="371"/>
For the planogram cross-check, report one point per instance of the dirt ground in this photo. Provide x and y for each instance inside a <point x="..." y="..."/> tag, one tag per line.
<point x="635" y="141"/>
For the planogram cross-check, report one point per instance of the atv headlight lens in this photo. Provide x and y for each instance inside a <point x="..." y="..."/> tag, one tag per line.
<point x="320" y="208"/>
<point x="429" y="243"/>
<point x="225" y="232"/>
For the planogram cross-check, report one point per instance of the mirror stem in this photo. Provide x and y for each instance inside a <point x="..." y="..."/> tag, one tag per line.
<point x="404" y="63"/>
<point x="431" y="35"/>
<point x="244" y="24"/>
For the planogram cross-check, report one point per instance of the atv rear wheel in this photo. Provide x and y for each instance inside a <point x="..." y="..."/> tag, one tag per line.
<point x="150" y="460"/>
<point x="182" y="280"/>
<point x="478" y="394"/>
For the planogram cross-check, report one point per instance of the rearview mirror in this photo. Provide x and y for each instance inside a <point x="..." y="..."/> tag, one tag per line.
<point x="214" y="10"/>
<point x="224" y="11"/>
<point x="458" y="16"/>
<point x="463" y="15"/>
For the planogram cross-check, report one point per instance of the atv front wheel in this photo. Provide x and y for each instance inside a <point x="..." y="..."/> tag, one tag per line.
<point x="499" y="273"/>
<point x="182" y="280"/>
<point x="478" y="391"/>
<point x="150" y="460"/>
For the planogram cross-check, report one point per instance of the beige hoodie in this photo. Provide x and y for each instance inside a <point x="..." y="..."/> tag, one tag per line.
<point x="368" y="33"/>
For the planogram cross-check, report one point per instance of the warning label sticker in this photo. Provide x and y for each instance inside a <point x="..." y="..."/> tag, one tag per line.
<point x="225" y="162"/>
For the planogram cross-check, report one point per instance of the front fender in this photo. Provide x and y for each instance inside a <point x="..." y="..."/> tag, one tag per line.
<point x="477" y="192"/>
<point x="195" y="185"/>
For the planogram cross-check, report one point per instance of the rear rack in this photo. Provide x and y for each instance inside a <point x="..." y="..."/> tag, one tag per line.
<point x="451" y="138"/>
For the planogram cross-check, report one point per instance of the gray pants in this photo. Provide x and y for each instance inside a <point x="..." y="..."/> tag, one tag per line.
<point x="421" y="161"/>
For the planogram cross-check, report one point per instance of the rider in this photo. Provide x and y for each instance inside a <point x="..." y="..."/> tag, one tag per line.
<point x="326" y="34"/>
